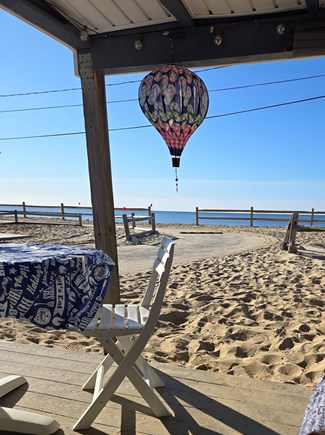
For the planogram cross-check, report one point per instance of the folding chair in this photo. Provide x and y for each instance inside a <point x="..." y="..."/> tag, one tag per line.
<point x="113" y="327"/>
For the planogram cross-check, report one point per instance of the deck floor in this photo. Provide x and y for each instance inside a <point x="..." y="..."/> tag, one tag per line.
<point x="202" y="402"/>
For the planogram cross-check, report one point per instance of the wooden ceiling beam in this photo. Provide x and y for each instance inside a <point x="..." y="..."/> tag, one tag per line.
<point x="179" y="11"/>
<point x="47" y="19"/>
<point x="312" y="6"/>
<point x="241" y="42"/>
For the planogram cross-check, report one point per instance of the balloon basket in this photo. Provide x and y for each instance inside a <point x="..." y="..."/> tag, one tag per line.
<point x="175" y="161"/>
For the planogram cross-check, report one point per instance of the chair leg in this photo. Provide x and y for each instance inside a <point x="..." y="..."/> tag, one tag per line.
<point x="102" y="369"/>
<point x="136" y="378"/>
<point x="124" y="368"/>
<point x="150" y="375"/>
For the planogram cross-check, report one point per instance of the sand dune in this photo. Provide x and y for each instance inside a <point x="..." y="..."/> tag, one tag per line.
<point x="256" y="313"/>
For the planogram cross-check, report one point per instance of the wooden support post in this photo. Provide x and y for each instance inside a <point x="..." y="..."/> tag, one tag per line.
<point x="126" y="227"/>
<point x="99" y="164"/>
<point x="62" y="210"/>
<point x="312" y="216"/>
<point x="197" y="216"/>
<point x="24" y="209"/>
<point x="80" y="219"/>
<point x="251" y="217"/>
<point x="16" y="216"/>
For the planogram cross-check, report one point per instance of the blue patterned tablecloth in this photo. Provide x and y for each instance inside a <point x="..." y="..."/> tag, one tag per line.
<point x="53" y="286"/>
<point x="314" y="418"/>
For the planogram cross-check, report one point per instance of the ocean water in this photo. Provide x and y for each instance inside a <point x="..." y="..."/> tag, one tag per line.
<point x="188" y="217"/>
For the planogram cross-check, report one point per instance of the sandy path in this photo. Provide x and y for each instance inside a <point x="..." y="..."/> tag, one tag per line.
<point x="190" y="245"/>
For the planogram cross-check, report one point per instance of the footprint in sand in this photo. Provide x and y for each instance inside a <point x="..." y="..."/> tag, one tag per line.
<point x="311" y="359"/>
<point x="312" y="377"/>
<point x="271" y="359"/>
<point x="175" y="317"/>
<point x="288" y="370"/>
<point x="287" y="343"/>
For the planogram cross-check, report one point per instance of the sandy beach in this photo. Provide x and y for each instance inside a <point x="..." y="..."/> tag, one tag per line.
<point x="257" y="312"/>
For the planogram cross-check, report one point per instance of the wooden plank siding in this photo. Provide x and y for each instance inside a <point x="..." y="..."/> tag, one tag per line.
<point x="202" y="402"/>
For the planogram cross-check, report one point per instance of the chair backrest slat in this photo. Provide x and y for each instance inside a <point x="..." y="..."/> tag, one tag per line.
<point x="159" y="266"/>
<point x="156" y="305"/>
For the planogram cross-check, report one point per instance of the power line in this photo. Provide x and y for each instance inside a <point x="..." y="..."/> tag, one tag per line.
<point x="38" y="92"/>
<point x="129" y="100"/>
<point x="29" y="109"/>
<point x="272" y="106"/>
<point x="138" y="81"/>
<point x="149" y="125"/>
<point x="267" y="83"/>
<point x="78" y="89"/>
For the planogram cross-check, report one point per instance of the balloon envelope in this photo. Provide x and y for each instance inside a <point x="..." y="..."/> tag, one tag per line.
<point x="175" y="100"/>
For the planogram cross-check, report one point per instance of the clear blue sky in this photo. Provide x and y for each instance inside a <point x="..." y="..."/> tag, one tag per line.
<point x="270" y="158"/>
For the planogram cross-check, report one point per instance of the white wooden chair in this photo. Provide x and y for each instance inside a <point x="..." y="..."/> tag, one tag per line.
<point x="16" y="420"/>
<point x="114" y="327"/>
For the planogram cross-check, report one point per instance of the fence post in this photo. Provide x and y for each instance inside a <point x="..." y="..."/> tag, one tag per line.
<point x="153" y="222"/>
<point x="292" y="248"/>
<point x="251" y="220"/>
<point x="126" y="227"/>
<point x="62" y="210"/>
<point x="133" y="221"/>
<point x="312" y="216"/>
<point x="149" y="210"/>
<point x="197" y="216"/>
<point x="24" y="209"/>
<point x="16" y="216"/>
<point x="80" y="219"/>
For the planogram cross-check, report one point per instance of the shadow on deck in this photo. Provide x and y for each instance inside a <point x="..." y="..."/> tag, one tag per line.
<point x="202" y="402"/>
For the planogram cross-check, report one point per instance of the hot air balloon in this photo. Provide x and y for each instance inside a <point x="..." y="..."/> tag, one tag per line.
<point x="175" y="100"/>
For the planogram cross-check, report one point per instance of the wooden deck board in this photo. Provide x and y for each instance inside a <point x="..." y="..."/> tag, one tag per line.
<point x="202" y="402"/>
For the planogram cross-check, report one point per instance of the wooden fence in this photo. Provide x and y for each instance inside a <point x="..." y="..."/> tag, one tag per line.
<point x="61" y="211"/>
<point x="256" y="215"/>
<point x="133" y="219"/>
<point x="293" y="228"/>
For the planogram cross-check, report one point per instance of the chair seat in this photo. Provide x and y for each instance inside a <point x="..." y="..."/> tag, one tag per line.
<point x="117" y="320"/>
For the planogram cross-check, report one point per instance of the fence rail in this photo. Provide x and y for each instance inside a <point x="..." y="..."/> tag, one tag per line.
<point x="133" y="219"/>
<point x="62" y="211"/>
<point x="77" y="214"/>
<point x="289" y="243"/>
<point x="255" y="215"/>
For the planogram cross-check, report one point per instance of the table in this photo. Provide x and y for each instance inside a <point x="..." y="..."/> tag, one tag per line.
<point x="314" y="418"/>
<point x="53" y="286"/>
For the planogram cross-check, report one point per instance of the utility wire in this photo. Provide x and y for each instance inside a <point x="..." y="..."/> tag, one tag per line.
<point x="149" y="125"/>
<point x="136" y="99"/>
<point x="138" y="81"/>
<point x="29" y="109"/>
<point x="78" y="89"/>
